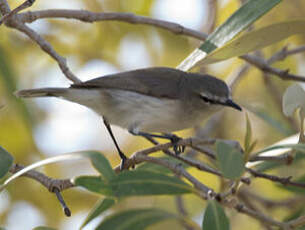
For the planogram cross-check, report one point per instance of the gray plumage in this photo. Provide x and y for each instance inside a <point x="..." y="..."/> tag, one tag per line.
<point x="152" y="100"/>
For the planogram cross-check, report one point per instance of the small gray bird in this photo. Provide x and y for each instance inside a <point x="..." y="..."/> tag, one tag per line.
<point x="146" y="101"/>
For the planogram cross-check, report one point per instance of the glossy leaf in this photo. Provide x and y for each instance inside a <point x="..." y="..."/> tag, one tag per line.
<point x="230" y="160"/>
<point x="94" y="184"/>
<point x="148" y="166"/>
<point x="241" y="19"/>
<point x="256" y="40"/>
<point x="98" y="209"/>
<point x="137" y="219"/>
<point x="102" y="165"/>
<point x="6" y="161"/>
<point x="298" y="147"/>
<point x="215" y="217"/>
<point x="135" y="183"/>
<point x="106" y="173"/>
<point x="43" y="228"/>
<point x="268" y="165"/>
<point x="294" y="98"/>
<point x="248" y="137"/>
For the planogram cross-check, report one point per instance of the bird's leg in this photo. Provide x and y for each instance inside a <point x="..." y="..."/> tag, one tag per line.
<point x="172" y="137"/>
<point x="175" y="139"/>
<point x="121" y="154"/>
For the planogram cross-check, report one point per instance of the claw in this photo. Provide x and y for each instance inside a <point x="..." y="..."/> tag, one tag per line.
<point x="177" y="148"/>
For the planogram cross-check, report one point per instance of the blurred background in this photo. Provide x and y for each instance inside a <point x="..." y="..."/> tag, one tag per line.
<point x="35" y="129"/>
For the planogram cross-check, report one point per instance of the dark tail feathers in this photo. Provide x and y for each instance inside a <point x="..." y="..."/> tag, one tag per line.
<point x="42" y="92"/>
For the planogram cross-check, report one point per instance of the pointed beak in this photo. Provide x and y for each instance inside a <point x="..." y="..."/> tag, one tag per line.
<point x="232" y="104"/>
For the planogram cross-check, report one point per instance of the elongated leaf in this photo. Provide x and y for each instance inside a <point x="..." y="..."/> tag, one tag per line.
<point x="255" y="40"/>
<point x="294" y="98"/>
<point x="215" y="218"/>
<point x="43" y="228"/>
<point x="69" y="156"/>
<point x="241" y="19"/>
<point x="102" y="165"/>
<point x="98" y="209"/>
<point x="230" y="160"/>
<point x="158" y="168"/>
<point x="132" y="183"/>
<point x="6" y="161"/>
<point x="94" y="184"/>
<point x="268" y="165"/>
<point x="137" y="219"/>
<point x="248" y="137"/>
<point x="135" y="183"/>
<point x="299" y="147"/>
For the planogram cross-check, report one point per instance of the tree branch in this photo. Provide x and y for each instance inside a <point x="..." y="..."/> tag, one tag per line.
<point x="53" y="185"/>
<point x="23" y="6"/>
<point x="283" y="180"/>
<point x="45" y="46"/>
<point x="88" y="16"/>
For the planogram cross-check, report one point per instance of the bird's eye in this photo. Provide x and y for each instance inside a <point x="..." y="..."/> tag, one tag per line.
<point x="206" y="99"/>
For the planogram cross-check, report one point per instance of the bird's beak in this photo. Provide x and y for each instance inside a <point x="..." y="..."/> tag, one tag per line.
<point x="232" y="104"/>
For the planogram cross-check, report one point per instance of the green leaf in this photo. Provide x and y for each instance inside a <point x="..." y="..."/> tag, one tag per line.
<point x="137" y="219"/>
<point x="256" y="40"/>
<point x="96" y="158"/>
<point x="230" y="160"/>
<point x="99" y="208"/>
<point x="241" y="19"/>
<point x="268" y="165"/>
<point x="43" y="228"/>
<point x="135" y="183"/>
<point x="141" y="182"/>
<point x="94" y="184"/>
<point x="298" y="147"/>
<point x="294" y="98"/>
<point x="148" y="166"/>
<point x="102" y="165"/>
<point x="215" y="217"/>
<point x="248" y="137"/>
<point x="6" y="161"/>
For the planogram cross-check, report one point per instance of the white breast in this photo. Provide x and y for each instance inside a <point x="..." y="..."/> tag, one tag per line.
<point x="137" y="112"/>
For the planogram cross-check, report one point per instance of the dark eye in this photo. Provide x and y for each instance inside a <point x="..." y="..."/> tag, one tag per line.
<point x="206" y="99"/>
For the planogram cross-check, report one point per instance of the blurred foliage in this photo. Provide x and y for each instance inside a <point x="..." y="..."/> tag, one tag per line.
<point x="22" y="62"/>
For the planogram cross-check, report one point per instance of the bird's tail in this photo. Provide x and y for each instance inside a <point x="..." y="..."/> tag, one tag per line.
<point x="42" y="92"/>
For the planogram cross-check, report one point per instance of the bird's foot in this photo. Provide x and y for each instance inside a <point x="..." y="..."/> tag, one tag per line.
<point x="175" y="139"/>
<point x="123" y="165"/>
<point x="123" y="161"/>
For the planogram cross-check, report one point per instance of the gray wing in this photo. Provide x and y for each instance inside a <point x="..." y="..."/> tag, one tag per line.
<point x="157" y="82"/>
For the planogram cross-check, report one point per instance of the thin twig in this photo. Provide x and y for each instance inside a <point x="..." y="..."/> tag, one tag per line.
<point x="263" y="65"/>
<point x="45" y="46"/>
<point x="53" y="185"/>
<point x="23" y="6"/>
<point x="283" y="180"/>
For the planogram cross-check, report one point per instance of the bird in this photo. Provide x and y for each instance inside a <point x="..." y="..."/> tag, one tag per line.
<point x="148" y="102"/>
